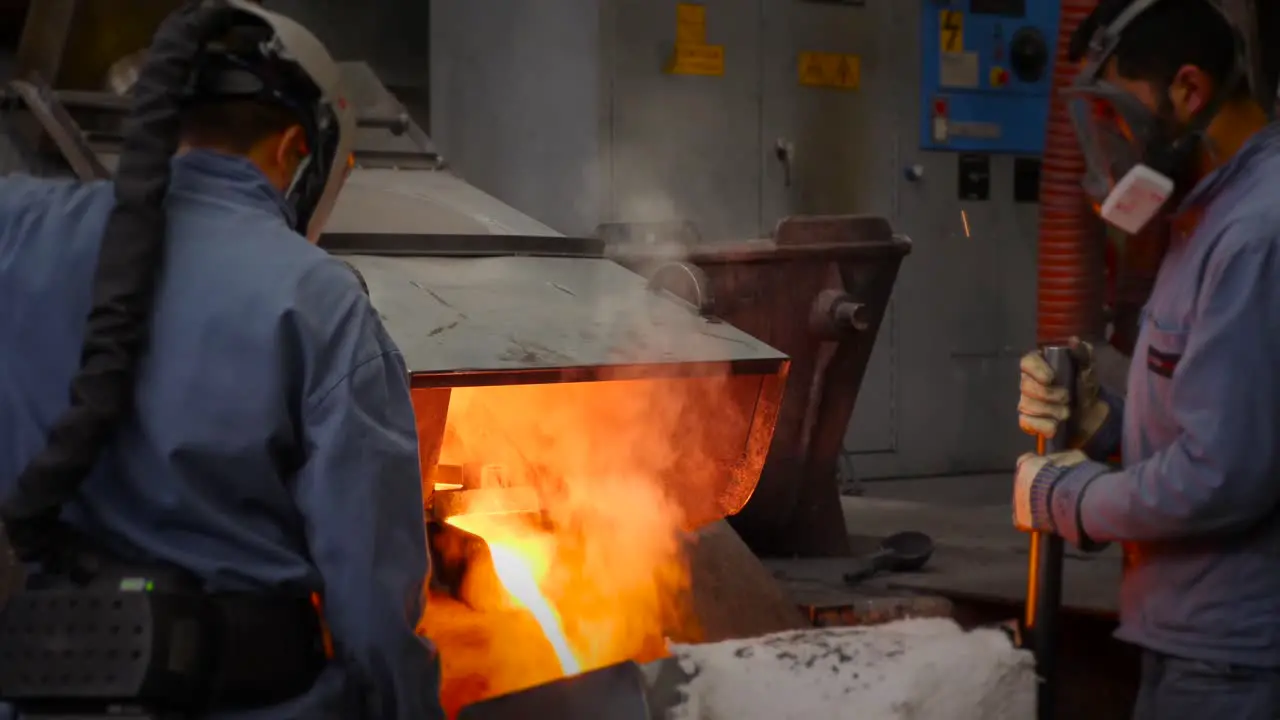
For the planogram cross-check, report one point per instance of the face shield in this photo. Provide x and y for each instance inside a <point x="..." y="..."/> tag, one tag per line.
<point x="331" y="139"/>
<point x="1117" y="132"/>
<point x="280" y="62"/>
<point x="1113" y="130"/>
<point x="289" y="66"/>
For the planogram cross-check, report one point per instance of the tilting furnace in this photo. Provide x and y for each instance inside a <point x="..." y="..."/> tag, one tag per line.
<point x="576" y="419"/>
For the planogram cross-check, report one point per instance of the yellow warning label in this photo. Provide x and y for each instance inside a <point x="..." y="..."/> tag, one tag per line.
<point x="691" y="24"/>
<point x="697" y="60"/>
<point x="951" y="31"/>
<point x="832" y="70"/>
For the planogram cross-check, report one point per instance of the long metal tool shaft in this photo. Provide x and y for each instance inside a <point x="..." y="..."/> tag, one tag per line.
<point x="1044" y="577"/>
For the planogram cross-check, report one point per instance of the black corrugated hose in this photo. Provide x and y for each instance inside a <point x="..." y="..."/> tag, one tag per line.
<point x="128" y="267"/>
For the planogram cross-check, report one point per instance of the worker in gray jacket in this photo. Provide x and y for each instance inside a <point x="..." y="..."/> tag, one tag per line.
<point x="1164" y="117"/>
<point x="271" y="450"/>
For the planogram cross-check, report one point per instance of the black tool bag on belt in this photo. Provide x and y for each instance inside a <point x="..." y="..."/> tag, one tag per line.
<point x="103" y="637"/>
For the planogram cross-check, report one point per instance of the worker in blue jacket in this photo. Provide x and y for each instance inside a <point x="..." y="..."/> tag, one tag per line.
<point x="273" y="444"/>
<point x="1167" y="125"/>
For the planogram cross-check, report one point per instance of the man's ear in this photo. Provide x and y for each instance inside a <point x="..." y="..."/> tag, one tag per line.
<point x="291" y="149"/>
<point x="1190" y="92"/>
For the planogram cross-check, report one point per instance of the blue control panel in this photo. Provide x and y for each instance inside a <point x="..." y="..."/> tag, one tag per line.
<point x="986" y="74"/>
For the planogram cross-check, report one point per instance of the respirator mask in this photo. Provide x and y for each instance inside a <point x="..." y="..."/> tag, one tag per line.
<point x="1134" y="157"/>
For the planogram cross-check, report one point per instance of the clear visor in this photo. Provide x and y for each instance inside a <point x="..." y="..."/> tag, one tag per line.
<point x="1113" y="129"/>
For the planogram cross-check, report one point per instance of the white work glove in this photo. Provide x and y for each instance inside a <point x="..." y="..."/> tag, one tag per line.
<point x="1043" y="405"/>
<point x="1027" y="481"/>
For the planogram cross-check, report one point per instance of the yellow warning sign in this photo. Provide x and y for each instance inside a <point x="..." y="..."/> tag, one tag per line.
<point x="832" y="70"/>
<point x="691" y="24"/>
<point x="697" y="60"/>
<point x="951" y="31"/>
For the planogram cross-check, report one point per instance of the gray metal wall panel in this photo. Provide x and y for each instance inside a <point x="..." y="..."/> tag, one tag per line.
<point x="873" y="429"/>
<point x="840" y="164"/>
<point x="391" y="35"/>
<point x="965" y="305"/>
<point x="940" y="390"/>
<point x="515" y="103"/>
<point x="686" y="147"/>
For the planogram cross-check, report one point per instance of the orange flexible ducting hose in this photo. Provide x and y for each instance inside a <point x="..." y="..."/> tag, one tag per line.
<point x="1069" y="301"/>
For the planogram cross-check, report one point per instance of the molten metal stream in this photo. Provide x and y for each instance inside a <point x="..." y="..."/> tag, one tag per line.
<point x="599" y="575"/>
<point x="518" y="566"/>
<point x="516" y="576"/>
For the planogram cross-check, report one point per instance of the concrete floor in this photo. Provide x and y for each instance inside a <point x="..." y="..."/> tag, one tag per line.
<point x="979" y="554"/>
<point x="953" y="490"/>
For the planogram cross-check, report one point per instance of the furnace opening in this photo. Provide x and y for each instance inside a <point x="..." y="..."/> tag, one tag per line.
<point x="558" y="520"/>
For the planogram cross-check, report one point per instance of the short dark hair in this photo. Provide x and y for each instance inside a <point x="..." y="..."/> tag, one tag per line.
<point x="234" y="125"/>
<point x="1168" y="35"/>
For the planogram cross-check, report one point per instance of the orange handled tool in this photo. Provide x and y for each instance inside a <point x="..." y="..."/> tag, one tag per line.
<point x="1044" y="576"/>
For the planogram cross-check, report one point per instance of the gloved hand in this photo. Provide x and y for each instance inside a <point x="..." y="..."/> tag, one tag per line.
<point x="1025" y="486"/>
<point x="1043" y="406"/>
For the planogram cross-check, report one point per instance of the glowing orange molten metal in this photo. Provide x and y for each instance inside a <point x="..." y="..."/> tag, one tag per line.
<point x="598" y="574"/>
<point x="517" y="578"/>
<point x="521" y="567"/>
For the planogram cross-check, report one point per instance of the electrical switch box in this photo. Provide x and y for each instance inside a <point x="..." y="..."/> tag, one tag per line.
<point x="986" y="74"/>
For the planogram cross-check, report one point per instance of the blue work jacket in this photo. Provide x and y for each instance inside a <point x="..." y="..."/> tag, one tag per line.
<point x="273" y="446"/>
<point x="1197" y="504"/>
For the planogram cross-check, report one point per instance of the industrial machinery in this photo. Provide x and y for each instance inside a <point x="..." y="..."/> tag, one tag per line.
<point x="817" y="290"/>
<point x="583" y="428"/>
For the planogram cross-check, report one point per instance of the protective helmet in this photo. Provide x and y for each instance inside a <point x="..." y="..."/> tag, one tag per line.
<point x="271" y="58"/>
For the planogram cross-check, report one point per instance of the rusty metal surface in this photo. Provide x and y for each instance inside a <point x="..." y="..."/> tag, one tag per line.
<point x="772" y="289"/>
<point x="520" y="313"/>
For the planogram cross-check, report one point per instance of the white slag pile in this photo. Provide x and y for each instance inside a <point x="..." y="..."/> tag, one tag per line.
<point x="925" y="669"/>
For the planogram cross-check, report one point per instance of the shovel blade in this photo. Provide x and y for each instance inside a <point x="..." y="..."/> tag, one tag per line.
<point x="616" y="692"/>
